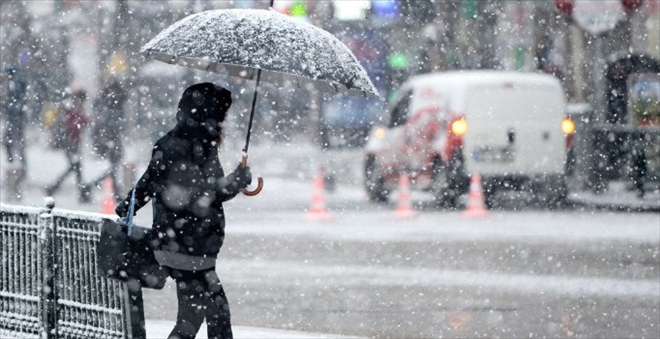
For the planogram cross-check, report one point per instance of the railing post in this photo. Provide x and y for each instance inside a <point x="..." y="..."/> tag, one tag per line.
<point x="134" y="313"/>
<point x="47" y="231"/>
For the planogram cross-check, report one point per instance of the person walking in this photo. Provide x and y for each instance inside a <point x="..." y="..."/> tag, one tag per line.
<point x="187" y="186"/>
<point x="638" y="162"/>
<point x="107" y="131"/>
<point x="73" y="122"/>
<point x="15" y="116"/>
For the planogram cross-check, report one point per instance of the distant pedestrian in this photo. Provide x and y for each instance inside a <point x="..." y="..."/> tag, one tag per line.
<point x="638" y="162"/>
<point x="109" y="125"/>
<point x="73" y="122"/>
<point x="15" y="117"/>
<point x="187" y="186"/>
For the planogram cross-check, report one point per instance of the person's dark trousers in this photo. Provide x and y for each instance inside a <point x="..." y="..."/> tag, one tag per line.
<point x="115" y="156"/>
<point x="200" y="295"/>
<point x="73" y="156"/>
<point x="17" y="174"/>
<point x="639" y="163"/>
<point x="16" y="151"/>
<point x="116" y="161"/>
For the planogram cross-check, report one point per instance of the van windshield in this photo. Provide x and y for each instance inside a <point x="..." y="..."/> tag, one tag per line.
<point x="399" y="113"/>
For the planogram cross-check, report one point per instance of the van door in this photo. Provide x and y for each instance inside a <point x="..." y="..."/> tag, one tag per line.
<point x="420" y="133"/>
<point x="514" y="129"/>
<point x="395" y="155"/>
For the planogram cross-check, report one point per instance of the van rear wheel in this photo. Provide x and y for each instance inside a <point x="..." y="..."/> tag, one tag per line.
<point x="374" y="182"/>
<point x="443" y="192"/>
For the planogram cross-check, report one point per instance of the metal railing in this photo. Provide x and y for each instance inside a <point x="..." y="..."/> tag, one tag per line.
<point x="49" y="283"/>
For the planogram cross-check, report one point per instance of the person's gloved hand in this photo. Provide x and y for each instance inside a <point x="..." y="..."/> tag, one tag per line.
<point x="242" y="176"/>
<point x="237" y="180"/>
<point x="122" y="209"/>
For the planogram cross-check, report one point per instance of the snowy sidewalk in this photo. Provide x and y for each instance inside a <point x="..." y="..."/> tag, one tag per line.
<point x="157" y="329"/>
<point x="618" y="197"/>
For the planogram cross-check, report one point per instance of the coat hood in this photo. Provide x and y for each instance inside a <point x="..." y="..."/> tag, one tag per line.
<point x="202" y="109"/>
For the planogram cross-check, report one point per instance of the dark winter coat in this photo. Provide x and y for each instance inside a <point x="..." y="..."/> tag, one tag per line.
<point x="75" y="122"/>
<point x="14" y="107"/>
<point x="109" y="123"/>
<point x="186" y="182"/>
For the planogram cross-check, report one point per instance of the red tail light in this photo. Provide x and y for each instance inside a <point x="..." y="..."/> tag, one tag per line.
<point x="568" y="127"/>
<point x="456" y="128"/>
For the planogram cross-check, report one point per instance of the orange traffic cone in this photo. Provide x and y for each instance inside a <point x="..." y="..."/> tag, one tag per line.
<point x="404" y="205"/>
<point x="319" y="210"/>
<point x="475" y="206"/>
<point x="108" y="205"/>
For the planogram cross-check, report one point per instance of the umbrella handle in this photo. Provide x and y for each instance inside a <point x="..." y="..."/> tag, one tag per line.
<point x="260" y="181"/>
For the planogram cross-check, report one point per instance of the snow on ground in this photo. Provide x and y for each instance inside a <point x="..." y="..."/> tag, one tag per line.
<point x="161" y="329"/>
<point x="344" y="275"/>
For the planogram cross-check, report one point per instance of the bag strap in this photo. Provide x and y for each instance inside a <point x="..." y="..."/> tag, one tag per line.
<point x="131" y="210"/>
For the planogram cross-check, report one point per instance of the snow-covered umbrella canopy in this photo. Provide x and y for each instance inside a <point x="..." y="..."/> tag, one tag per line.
<point x="239" y="42"/>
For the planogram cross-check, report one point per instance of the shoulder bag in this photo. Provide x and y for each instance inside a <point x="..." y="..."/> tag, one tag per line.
<point x="125" y="253"/>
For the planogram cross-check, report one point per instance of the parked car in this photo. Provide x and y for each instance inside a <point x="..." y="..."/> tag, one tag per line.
<point x="445" y="127"/>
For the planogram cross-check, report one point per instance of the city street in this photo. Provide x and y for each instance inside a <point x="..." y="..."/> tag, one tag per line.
<point x="578" y="273"/>
<point x="519" y="272"/>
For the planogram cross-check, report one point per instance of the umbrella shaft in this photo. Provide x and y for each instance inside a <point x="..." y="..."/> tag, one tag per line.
<point x="254" y="104"/>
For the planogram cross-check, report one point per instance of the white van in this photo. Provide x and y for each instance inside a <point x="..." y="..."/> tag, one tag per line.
<point x="445" y="127"/>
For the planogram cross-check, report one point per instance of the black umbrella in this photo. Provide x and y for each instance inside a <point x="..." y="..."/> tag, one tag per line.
<point x="262" y="45"/>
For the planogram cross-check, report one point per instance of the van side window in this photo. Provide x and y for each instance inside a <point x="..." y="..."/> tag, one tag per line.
<point x="399" y="113"/>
